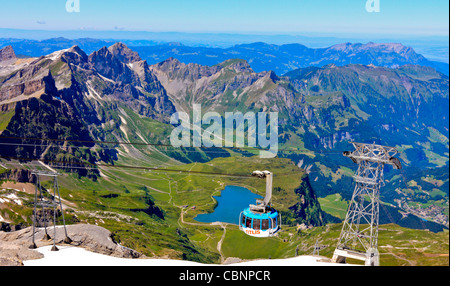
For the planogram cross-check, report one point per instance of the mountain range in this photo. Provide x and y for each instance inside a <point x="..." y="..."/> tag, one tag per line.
<point x="261" y="56"/>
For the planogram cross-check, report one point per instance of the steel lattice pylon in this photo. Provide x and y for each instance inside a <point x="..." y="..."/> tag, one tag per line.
<point x="359" y="235"/>
<point x="45" y="204"/>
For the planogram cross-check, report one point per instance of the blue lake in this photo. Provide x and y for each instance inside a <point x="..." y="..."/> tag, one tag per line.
<point x="231" y="202"/>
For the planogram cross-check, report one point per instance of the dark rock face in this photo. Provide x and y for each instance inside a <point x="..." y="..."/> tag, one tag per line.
<point x="109" y="66"/>
<point x="6" y="227"/>
<point x="124" y="54"/>
<point x="71" y="96"/>
<point x="7" y="53"/>
<point x="18" y="175"/>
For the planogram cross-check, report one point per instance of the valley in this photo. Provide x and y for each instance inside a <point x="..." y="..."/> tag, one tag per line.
<point x="102" y="120"/>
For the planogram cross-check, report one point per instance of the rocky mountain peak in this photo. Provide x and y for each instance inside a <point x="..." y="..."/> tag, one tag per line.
<point x="7" y="53"/>
<point x="74" y="55"/>
<point x="395" y="48"/>
<point x="171" y="65"/>
<point x="101" y="53"/>
<point x="170" y="62"/>
<point x="270" y="75"/>
<point x="273" y="76"/>
<point x="238" y="65"/>
<point x="76" y="49"/>
<point x="371" y="46"/>
<point x="123" y="53"/>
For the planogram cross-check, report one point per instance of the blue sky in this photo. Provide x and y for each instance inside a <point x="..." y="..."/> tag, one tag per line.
<point x="401" y="17"/>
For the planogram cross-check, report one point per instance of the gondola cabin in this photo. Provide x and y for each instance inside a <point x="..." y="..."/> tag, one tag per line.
<point x="259" y="224"/>
<point x="261" y="220"/>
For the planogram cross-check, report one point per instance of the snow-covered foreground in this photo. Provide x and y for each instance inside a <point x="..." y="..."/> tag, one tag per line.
<point x="76" y="256"/>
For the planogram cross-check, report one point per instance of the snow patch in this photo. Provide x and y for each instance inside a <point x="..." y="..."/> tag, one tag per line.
<point x="14" y="198"/>
<point x="55" y="55"/>
<point x="75" y="256"/>
<point x="123" y="120"/>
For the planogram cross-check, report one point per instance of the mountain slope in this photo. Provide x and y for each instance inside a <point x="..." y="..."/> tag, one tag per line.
<point x="323" y="108"/>
<point x="80" y="103"/>
<point x="406" y="107"/>
<point x="113" y="95"/>
<point x="228" y="86"/>
<point x="89" y="92"/>
<point x="413" y="96"/>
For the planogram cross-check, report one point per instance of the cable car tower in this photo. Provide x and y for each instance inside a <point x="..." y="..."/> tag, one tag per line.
<point x="261" y="220"/>
<point x="359" y="235"/>
<point x="46" y="204"/>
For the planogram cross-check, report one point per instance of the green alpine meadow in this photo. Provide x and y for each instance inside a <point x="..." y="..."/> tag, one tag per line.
<point x="101" y="119"/>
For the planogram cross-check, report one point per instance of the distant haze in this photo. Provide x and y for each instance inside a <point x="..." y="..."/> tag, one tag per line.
<point x="432" y="47"/>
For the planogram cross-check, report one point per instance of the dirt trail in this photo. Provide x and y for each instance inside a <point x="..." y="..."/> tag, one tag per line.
<point x="219" y="244"/>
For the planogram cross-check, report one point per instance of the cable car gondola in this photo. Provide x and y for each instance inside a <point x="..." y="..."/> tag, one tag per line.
<point x="261" y="220"/>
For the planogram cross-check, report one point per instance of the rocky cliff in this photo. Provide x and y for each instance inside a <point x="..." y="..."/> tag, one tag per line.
<point x="14" y="246"/>
<point x="68" y="95"/>
<point x="7" y="55"/>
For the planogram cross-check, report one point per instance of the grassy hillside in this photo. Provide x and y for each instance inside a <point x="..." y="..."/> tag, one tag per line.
<point x="152" y="213"/>
<point x="110" y="110"/>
